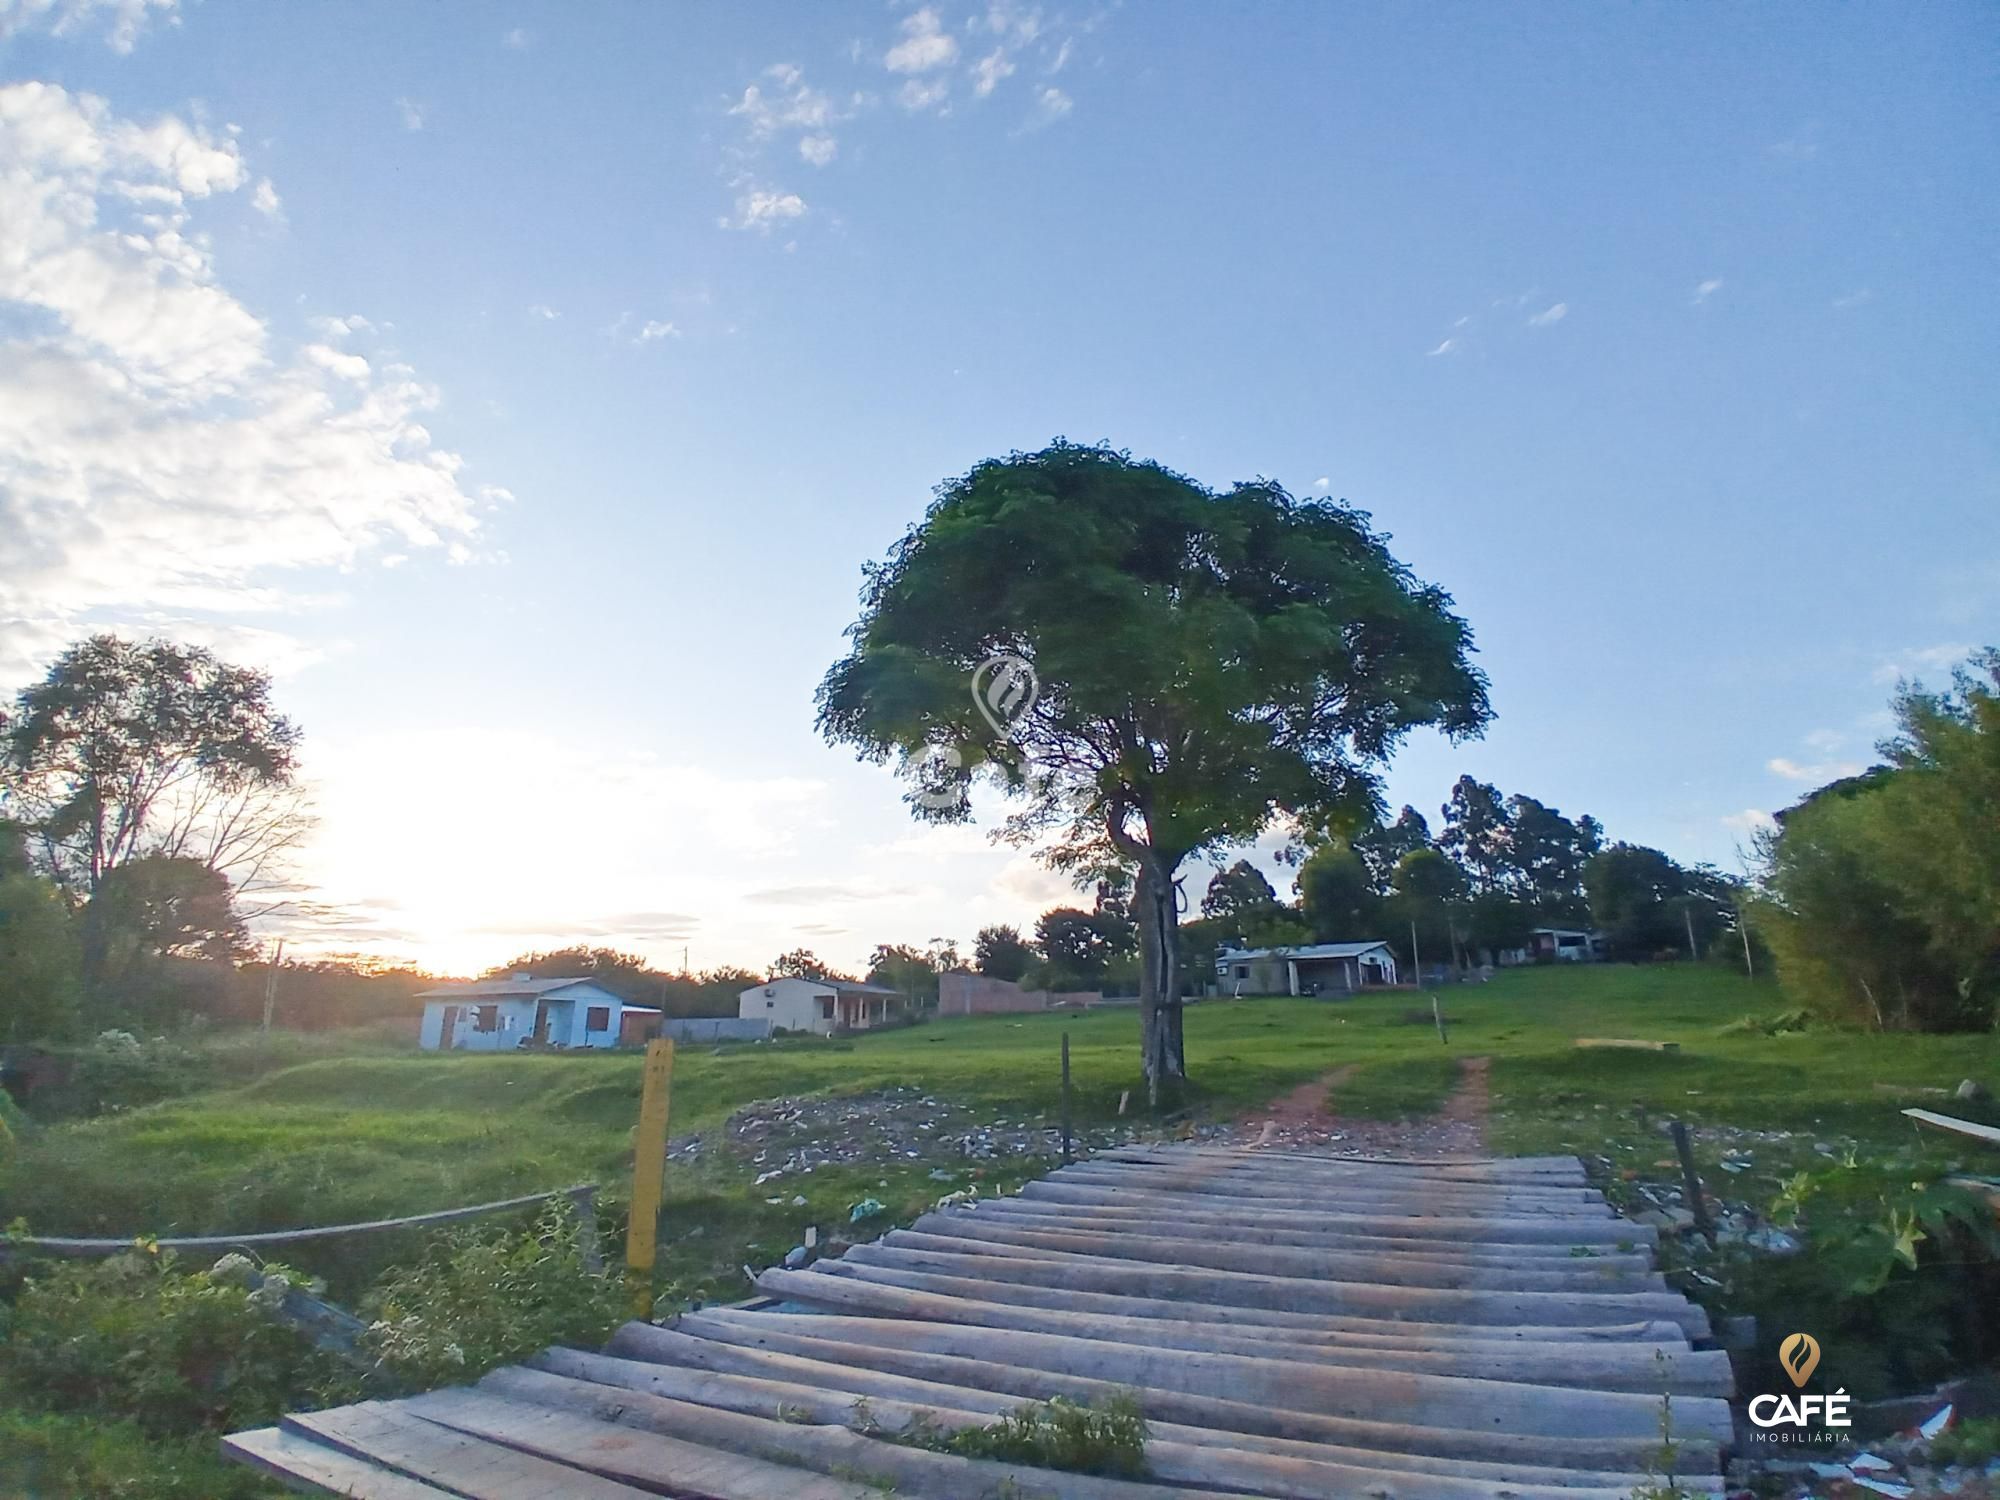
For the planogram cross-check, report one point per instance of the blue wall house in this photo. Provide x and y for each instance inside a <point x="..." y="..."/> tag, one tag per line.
<point x="500" y="1015"/>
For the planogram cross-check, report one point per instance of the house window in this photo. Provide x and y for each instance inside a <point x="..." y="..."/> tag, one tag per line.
<point x="1243" y="971"/>
<point x="826" y="1008"/>
<point x="486" y="1018"/>
<point x="597" y="1018"/>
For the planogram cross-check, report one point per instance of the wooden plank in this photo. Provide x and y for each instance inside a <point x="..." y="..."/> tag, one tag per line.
<point x="1602" y="1274"/>
<point x="1646" y="1368"/>
<point x="299" y="1462"/>
<point x="699" y="1450"/>
<point x="1595" y="1230"/>
<point x="1986" y="1135"/>
<point x="1366" y="1394"/>
<point x="394" y="1437"/>
<point x="641" y="1341"/>
<point x="1626" y="1044"/>
<point x="1410" y="1211"/>
<point x="1026" y="1213"/>
<point x="1211" y="1468"/>
<point x="1298" y="1294"/>
<point x="1249" y="1320"/>
<point x="760" y="1380"/>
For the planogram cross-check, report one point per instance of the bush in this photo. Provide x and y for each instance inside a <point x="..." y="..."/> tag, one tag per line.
<point x="1060" y="1434"/>
<point x="81" y="1458"/>
<point x="483" y="1299"/>
<point x="133" y="1337"/>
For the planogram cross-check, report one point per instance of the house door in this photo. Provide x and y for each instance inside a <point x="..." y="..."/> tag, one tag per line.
<point x="448" y="1029"/>
<point x="541" y="1023"/>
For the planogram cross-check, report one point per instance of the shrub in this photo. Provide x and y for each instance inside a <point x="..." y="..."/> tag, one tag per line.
<point x="176" y="1352"/>
<point x="1060" y="1434"/>
<point x="480" y="1299"/>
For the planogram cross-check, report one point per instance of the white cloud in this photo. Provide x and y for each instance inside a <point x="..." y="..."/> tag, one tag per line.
<point x="1018" y="24"/>
<point x="989" y="71"/>
<point x="1051" y="104"/>
<point x="123" y="19"/>
<point x="1822" y="771"/>
<point x="790" y="105"/>
<point x="921" y="94"/>
<point x="1322" y="483"/>
<point x="543" y="311"/>
<point x="1553" y="314"/>
<point x="1706" y="290"/>
<point x="266" y="201"/>
<point x="1750" y="820"/>
<point x="654" y="330"/>
<point x="764" y="208"/>
<point x="1854" y="298"/>
<point x="517" y="39"/>
<point x="1917" y="661"/>
<point x="412" y="113"/>
<point x="925" y="46"/>
<point x="818" y="149"/>
<point x="157" y="454"/>
<point x="1449" y="346"/>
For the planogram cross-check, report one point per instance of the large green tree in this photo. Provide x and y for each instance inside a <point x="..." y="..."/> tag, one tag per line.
<point x="41" y="960"/>
<point x="134" y="748"/>
<point x="1000" y="952"/>
<point x="1208" y="662"/>
<point x="1336" y="896"/>
<point x="1383" y="846"/>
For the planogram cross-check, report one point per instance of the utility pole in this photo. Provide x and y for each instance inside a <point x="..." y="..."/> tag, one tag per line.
<point x="1743" y="930"/>
<point x="271" y="985"/>
<point x="1687" y="915"/>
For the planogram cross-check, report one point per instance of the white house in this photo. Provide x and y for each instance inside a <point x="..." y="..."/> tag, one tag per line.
<point x="819" y="1005"/>
<point x="1563" y="945"/>
<point x="499" y="1015"/>
<point x="1311" y="969"/>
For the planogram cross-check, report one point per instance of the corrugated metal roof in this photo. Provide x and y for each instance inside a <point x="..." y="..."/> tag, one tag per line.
<point x="502" y="989"/>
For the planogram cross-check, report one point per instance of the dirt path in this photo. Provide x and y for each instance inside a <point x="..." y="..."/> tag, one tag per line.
<point x="1309" y="1116"/>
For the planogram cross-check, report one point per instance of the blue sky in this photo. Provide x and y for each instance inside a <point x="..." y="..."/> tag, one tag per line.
<point x="526" y="385"/>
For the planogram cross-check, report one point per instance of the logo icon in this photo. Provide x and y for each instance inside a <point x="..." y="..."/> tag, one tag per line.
<point x="1799" y="1354"/>
<point x="1003" y="689"/>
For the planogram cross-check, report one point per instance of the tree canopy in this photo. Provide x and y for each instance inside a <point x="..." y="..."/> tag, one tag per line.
<point x="1207" y="662"/>
<point x="131" y="748"/>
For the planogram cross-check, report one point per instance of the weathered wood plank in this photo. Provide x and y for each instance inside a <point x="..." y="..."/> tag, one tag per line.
<point x="801" y="1356"/>
<point x="1250" y="1320"/>
<point x="1298" y="1230"/>
<point x="299" y="1461"/>
<point x="1211" y="1468"/>
<point x="1342" y="1391"/>
<point x="760" y="1380"/>
<point x="1600" y="1274"/>
<point x="678" y="1434"/>
<point x="395" y="1438"/>
<point x="1647" y="1368"/>
<point x="1587" y="1225"/>
<point x="1970" y="1129"/>
<point x="1298" y="1294"/>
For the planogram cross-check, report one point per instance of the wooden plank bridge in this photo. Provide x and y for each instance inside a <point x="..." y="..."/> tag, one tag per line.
<point x="1291" y="1324"/>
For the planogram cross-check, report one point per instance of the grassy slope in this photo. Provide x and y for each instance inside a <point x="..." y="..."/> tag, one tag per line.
<point x="364" y="1136"/>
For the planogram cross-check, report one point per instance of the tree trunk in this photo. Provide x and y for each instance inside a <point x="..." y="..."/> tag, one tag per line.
<point x="1164" y="1053"/>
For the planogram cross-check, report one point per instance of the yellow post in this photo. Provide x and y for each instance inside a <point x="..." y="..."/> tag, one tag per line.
<point x="649" y="1166"/>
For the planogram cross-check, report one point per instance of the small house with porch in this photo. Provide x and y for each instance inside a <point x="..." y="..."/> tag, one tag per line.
<point x="818" y="1005"/>
<point x="1311" y="969"/>
<point x="500" y="1015"/>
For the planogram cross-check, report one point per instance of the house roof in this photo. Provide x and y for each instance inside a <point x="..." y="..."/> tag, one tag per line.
<point x="504" y="989"/>
<point x="1308" y="950"/>
<point x="841" y="986"/>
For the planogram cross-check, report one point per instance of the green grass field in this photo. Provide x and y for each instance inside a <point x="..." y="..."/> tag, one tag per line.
<point x="361" y="1137"/>
<point x="333" y="1138"/>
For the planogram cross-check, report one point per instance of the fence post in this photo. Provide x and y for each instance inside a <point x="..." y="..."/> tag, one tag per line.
<point x="1691" y="1182"/>
<point x="1067" y="1157"/>
<point x="649" y="1167"/>
<point x="584" y="1201"/>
